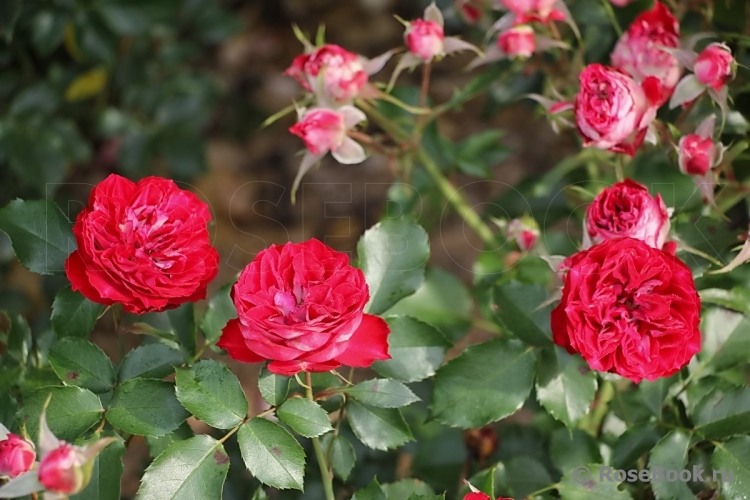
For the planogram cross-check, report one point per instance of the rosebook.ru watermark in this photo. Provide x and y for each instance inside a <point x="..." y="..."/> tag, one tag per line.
<point x="583" y="475"/>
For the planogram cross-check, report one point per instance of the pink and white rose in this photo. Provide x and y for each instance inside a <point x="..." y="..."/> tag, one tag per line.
<point x="639" y="52"/>
<point x="626" y="210"/>
<point x="518" y="41"/>
<point x="425" y="39"/>
<point x="613" y="111"/>
<point x="17" y="456"/>
<point x="534" y="10"/>
<point x="714" y="66"/>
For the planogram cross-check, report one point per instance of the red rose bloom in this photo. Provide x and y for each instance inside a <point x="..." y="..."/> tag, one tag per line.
<point x="300" y="305"/>
<point x="481" y="496"/>
<point x="144" y="245"/>
<point x="630" y="309"/>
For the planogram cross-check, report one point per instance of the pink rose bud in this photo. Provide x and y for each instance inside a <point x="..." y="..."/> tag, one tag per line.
<point x="322" y="130"/>
<point x="626" y="210"/>
<point x="17" y="456"/>
<point x="425" y="39"/>
<point x="65" y="469"/>
<point x="518" y="41"/>
<point x="613" y="111"/>
<point x="534" y="10"/>
<point x="639" y="51"/>
<point x="715" y="66"/>
<point x="525" y="231"/>
<point x="696" y="154"/>
<point x="337" y="74"/>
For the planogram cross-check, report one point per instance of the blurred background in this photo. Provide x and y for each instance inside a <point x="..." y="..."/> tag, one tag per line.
<point x="180" y="88"/>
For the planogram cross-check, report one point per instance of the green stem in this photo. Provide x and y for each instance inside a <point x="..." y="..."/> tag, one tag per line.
<point x="454" y="197"/>
<point x="612" y="18"/>
<point x="606" y="393"/>
<point x="322" y="462"/>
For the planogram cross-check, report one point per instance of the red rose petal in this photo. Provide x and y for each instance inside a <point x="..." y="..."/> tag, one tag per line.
<point x="368" y="344"/>
<point x="78" y="276"/>
<point x="234" y="343"/>
<point x="290" y="368"/>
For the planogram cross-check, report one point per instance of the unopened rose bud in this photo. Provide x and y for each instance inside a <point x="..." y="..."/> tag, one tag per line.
<point x="482" y="443"/>
<point x="525" y="231"/>
<point x="425" y="39"/>
<point x="715" y="66"/>
<point x="518" y="41"/>
<point x="696" y="154"/>
<point x="17" y="456"/>
<point x="65" y="470"/>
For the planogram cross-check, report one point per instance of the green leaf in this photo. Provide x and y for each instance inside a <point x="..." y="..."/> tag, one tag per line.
<point x="146" y="407"/>
<point x="416" y="349"/>
<point x="633" y="443"/>
<point x="157" y="445"/>
<point x="671" y="453"/>
<point x="734" y="455"/>
<point x="736" y="299"/>
<point x="41" y="235"/>
<point x="73" y="315"/>
<point x="382" y="393"/>
<point x="259" y="494"/>
<point x="372" y="492"/>
<point x="726" y="338"/>
<point x="305" y="417"/>
<point x="405" y="488"/>
<point x="342" y="454"/>
<point x="271" y="454"/>
<point x="392" y="255"/>
<point x="47" y="31"/>
<point x="583" y="483"/>
<point x="211" y="392"/>
<point x="182" y="320"/>
<point x="19" y="338"/>
<point x="150" y="361"/>
<point x="273" y="388"/>
<point x="653" y="393"/>
<point x="526" y="475"/>
<point x="71" y="411"/>
<point x="79" y="362"/>
<point x="565" y="385"/>
<point x="106" y="472"/>
<point x="10" y="10"/>
<point x="723" y="413"/>
<point x="219" y="311"/>
<point x="194" y="469"/>
<point x="569" y="449"/>
<point x="415" y="496"/>
<point x="515" y="308"/>
<point x="442" y="301"/>
<point x="487" y="382"/>
<point x="378" y="428"/>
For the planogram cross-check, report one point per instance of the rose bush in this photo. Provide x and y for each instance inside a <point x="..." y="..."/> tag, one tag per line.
<point x="589" y="317"/>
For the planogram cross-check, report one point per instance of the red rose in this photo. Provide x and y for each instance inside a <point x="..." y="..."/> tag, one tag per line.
<point x="630" y="309"/>
<point x="639" y="51"/>
<point x="144" y="245"/>
<point x="613" y="111"/>
<point x="300" y="305"/>
<point x="17" y="456"/>
<point x="696" y="154"/>
<point x="626" y="210"/>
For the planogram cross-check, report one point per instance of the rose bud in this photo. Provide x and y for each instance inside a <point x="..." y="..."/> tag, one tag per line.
<point x="715" y="66"/>
<point x="478" y="495"/>
<point x="334" y="74"/>
<point x="17" y="455"/>
<point x="518" y="41"/>
<point x="301" y="306"/>
<point x="525" y="231"/>
<point x="425" y="39"/>
<point x="630" y="309"/>
<point x="613" y="111"/>
<point x="696" y="154"/>
<point x="481" y="443"/>
<point x="621" y="3"/>
<point x="325" y="130"/>
<point x="639" y="51"/>
<point x="626" y="209"/>
<point x="144" y="245"/>
<point x="533" y="10"/>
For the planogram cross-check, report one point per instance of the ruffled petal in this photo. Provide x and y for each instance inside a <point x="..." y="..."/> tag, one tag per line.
<point x="234" y="343"/>
<point x="368" y="344"/>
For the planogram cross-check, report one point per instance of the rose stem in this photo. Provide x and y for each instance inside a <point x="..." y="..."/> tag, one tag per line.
<point x="322" y="462"/>
<point x="426" y="72"/>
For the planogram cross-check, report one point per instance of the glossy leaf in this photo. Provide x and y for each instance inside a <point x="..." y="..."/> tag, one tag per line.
<point x="373" y="491"/>
<point x="734" y="456"/>
<point x="382" y="393"/>
<point x="378" y="428"/>
<point x="342" y="454"/>
<point x="516" y="308"/>
<point x="146" y="407"/>
<point x="106" y="472"/>
<point x="565" y="385"/>
<point x="723" y="413"/>
<point x="150" y="361"/>
<point x="273" y="388"/>
<point x="219" y="311"/>
<point x="584" y="483"/>
<point x="211" y="392"/>
<point x="182" y="321"/>
<point x="487" y="382"/>
<point x="71" y="411"/>
<point x="671" y="453"/>
<point x="79" y="362"/>
<point x="73" y="315"/>
<point x="392" y="254"/>
<point x="305" y="417"/>
<point x="416" y="348"/>
<point x="271" y="454"/>
<point x="194" y="469"/>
